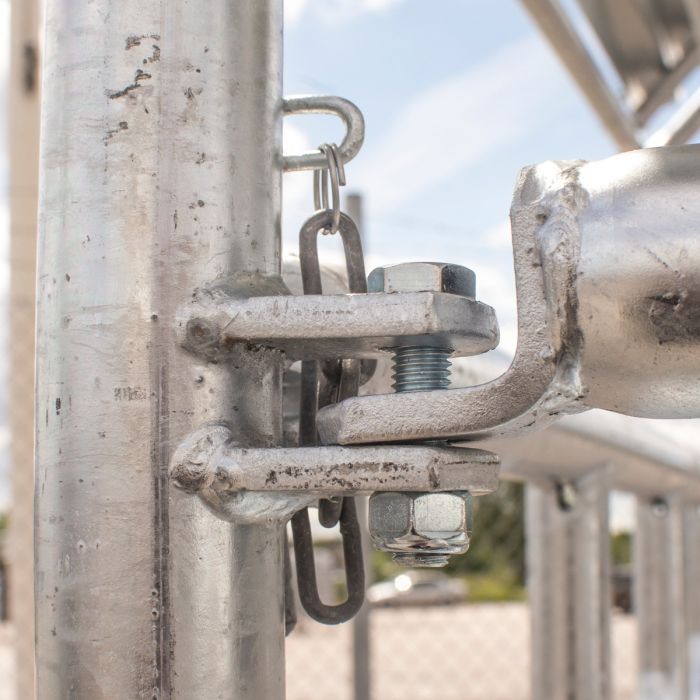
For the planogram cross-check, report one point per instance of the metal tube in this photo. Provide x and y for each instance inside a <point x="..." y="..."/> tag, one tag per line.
<point x="361" y="624"/>
<point x="569" y="589"/>
<point x="691" y="547"/>
<point x="160" y="174"/>
<point x="556" y="26"/>
<point x="663" y="564"/>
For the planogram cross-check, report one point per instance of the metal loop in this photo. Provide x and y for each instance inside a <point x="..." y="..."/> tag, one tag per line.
<point x="306" y="568"/>
<point x="326" y="104"/>
<point x="352" y="245"/>
<point x="342" y="379"/>
<point x="336" y="170"/>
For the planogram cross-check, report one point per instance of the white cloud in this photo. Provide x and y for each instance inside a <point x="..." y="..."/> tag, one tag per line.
<point x="460" y="121"/>
<point x="293" y="10"/>
<point x="498" y="238"/>
<point x="333" y="12"/>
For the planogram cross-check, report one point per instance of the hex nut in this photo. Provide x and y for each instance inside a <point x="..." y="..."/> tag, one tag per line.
<point x="423" y="277"/>
<point x="433" y="523"/>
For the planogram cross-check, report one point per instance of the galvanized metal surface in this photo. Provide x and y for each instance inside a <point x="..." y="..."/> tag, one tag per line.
<point x="421" y="529"/>
<point x="630" y="59"/>
<point x="568" y="556"/>
<point x="209" y="462"/>
<point x="638" y="289"/>
<point x="161" y="167"/>
<point x="574" y="54"/>
<point x="326" y="104"/>
<point x="322" y="327"/>
<point x="605" y="262"/>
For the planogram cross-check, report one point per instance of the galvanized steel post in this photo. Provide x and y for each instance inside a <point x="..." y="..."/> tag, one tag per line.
<point x="160" y="174"/>
<point x="569" y="589"/>
<point x="361" y="639"/>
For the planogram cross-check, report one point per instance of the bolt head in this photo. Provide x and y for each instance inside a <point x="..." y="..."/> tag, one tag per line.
<point x="421" y="524"/>
<point x="423" y="277"/>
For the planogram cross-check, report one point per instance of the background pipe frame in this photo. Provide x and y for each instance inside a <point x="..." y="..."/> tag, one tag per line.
<point x="154" y="173"/>
<point x="569" y="575"/>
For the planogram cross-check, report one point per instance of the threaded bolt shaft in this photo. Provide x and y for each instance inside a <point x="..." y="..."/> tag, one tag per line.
<point x="421" y="560"/>
<point x="421" y="368"/>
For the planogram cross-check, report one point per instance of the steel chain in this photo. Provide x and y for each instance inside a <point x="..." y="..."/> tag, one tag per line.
<point x="323" y="383"/>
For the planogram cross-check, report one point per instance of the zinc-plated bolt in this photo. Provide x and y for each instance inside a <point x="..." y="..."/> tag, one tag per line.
<point x="421" y="368"/>
<point x="421" y="529"/>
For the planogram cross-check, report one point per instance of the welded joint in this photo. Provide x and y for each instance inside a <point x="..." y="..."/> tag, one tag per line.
<point x="340" y="107"/>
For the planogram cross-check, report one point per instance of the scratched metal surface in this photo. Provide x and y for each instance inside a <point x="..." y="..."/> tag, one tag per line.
<point x="157" y="177"/>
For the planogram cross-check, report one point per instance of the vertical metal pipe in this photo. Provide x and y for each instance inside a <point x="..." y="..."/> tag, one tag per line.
<point x="569" y="590"/>
<point x="361" y="624"/>
<point x="24" y="176"/>
<point x="361" y="641"/>
<point x="662" y="563"/>
<point x="160" y="175"/>
<point x="691" y="555"/>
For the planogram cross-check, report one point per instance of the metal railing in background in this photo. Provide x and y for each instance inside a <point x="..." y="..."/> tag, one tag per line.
<point x="630" y="59"/>
<point x="568" y="552"/>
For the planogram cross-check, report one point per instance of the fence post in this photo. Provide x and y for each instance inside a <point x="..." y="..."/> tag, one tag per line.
<point x="160" y="176"/>
<point x="361" y="640"/>
<point x="666" y="598"/>
<point x="568" y="554"/>
<point x="361" y="637"/>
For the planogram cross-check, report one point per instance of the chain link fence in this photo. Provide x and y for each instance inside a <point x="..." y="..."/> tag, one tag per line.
<point x="430" y="644"/>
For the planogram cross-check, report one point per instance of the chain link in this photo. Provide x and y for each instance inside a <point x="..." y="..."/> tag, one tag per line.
<point x="321" y="384"/>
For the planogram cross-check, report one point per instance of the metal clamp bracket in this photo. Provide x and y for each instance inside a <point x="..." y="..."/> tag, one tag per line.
<point x="210" y="463"/>
<point x="338" y="326"/>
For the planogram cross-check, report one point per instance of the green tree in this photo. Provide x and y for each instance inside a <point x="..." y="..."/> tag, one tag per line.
<point x="621" y="546"/>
